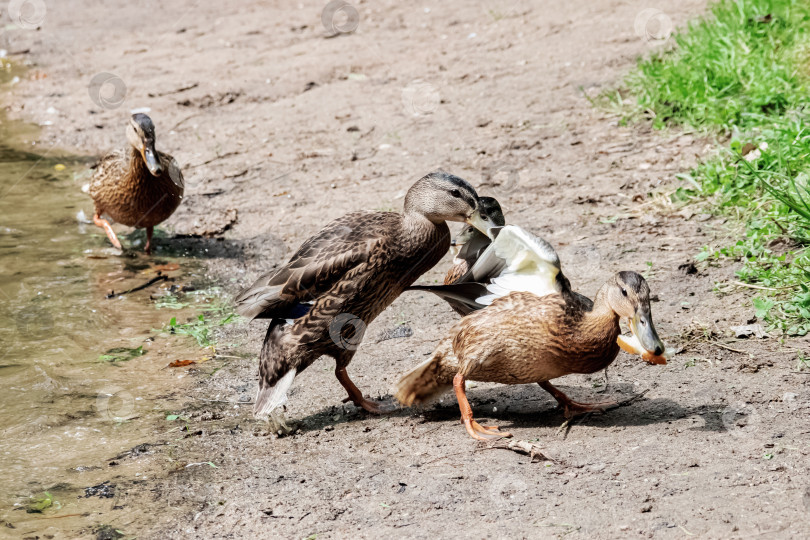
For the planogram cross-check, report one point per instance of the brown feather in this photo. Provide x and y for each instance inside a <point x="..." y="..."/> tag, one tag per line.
<point x="123" y="188"/>
<point x="519" y="339"/>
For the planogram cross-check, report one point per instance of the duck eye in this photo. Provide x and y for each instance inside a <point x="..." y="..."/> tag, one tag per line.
<point x="484" y="217"/>
<point x="624" y="291"/>
<point x="455" y="193"/>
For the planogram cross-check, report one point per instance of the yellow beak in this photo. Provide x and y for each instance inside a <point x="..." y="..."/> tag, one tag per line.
<point x="483" y="225"/>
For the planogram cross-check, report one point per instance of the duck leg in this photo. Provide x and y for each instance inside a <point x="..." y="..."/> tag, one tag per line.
<point x="104" y="224"/>
<point x="355" y="395"/>
<point x="573" y="408"/>
<point x="476" y="430"/>
<point x="148" y="247"/>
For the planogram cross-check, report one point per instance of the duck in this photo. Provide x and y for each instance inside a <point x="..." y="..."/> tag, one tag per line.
<point x="470" y="242"/>
<point x="137" y="186"/>
<point x="512" y="259"/>
<point x="339" y="280"/>
<point x="523" y="338"/>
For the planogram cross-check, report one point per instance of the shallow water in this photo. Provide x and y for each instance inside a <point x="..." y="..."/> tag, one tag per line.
<point x="65" y="410"/>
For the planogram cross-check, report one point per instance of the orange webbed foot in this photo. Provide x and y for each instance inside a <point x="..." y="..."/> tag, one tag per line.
<point x="474" y="429"/>
<point x="484" y="433"/>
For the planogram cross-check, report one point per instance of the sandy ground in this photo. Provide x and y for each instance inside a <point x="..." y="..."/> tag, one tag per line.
<point x="281" y="129"/>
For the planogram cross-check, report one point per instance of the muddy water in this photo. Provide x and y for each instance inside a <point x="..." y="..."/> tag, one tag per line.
<point x="68" y="406"/>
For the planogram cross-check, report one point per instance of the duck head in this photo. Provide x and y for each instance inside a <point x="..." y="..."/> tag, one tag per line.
<point x="490" y="212"/>
<point x="629" y="297"/>
<point x="441" y="196"/>
<point x="141" y="135"/>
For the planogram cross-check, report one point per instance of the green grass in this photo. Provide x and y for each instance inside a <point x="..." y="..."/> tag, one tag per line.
<point x="121" y="354"/>
<point x="740" y="76"/>
<point x="216" y="309"/>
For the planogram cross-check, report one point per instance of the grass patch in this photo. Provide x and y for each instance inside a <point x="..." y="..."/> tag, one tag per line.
<point x="741" y="75"/>
<point x="121" y="354"/>
<point x="216" y="311"/>
<point x="198" y="329"/>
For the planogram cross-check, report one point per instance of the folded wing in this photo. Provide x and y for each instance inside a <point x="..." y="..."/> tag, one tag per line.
<point x="340" y="248"/>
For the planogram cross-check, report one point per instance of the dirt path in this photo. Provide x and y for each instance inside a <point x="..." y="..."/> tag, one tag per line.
<point x="291" y="129"/>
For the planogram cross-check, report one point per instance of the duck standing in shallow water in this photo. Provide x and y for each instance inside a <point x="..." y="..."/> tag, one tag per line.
<point x="138" y="186"/>
<point x="339" y="280"/>
<point x="523" y="338"/>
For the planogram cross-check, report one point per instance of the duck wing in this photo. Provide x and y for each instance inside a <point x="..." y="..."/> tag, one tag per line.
<point x="516" y="260"/>
<point x="322" y="261"/>
<point x="464" y="298"/>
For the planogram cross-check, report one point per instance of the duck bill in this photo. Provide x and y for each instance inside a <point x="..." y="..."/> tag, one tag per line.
<point x="480" y="223"/>
<point x="151" y="159"/>
<point x="642" y="327"/>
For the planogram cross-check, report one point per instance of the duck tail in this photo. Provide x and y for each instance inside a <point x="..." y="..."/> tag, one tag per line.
<point x="431" y="378"/>
<point x="275" y="376"/>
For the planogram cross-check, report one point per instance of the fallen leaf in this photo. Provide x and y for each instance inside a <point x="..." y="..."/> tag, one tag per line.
<point x="181" y="363"/>
<point x="170" y="267"/>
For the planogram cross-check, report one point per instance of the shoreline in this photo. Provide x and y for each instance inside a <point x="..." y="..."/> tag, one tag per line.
<point x="349" y="122"/>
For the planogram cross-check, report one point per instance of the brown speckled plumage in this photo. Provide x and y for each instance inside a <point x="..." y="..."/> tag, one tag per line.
<point x="350" y="272"/>
<point x="519" y="339"/>
<point x="525" y="338"/>
<point x="357" y="265"/>
<point x="456" y="272"/>
<point x="123" y="188"/>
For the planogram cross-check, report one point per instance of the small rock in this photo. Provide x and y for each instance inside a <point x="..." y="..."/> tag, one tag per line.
<point x="104" y="490"/>
<point x="749" y="330"/>
<point x="688" y="268"/>
<point x="401" y="331"/>
<point x="789" y="396"/>
<point x="646" y="508"/>
<point x="329" y="428"/>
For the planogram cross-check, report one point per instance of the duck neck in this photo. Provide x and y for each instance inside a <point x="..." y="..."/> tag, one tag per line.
<point x="602" y="316"/>
<point x="416" y="223"/>
<point x="137" y="168"/>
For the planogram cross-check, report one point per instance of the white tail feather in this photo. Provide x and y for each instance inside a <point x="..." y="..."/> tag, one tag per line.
<point x="268" y="399"/>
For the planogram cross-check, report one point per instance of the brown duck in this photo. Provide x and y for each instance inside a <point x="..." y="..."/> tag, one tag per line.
<point x="523" y="338"/>
<point x="138" y="186"/>
<point x="339" y="280"/>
